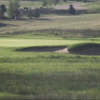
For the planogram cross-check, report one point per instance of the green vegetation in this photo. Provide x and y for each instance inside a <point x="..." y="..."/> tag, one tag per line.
<point x="2" y="11"/>
<point x="53" y="26"/>
<point x="49" y="75"/>
<point x="49" y="3"/>
<point x="12" y="7"/>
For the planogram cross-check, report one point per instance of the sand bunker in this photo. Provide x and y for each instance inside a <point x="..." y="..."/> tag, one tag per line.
<point x="87" y="51"/>
<point x="62" y="49"/>
<point x="59" y="49"/>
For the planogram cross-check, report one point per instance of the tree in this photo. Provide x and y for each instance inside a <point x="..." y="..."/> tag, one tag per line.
<point x="65" y="0"/>
<point x="72" y="10"/>
<point x="13" y="6"/>
<point x="2" y="11"/>
<point x="84" y="1"/>
<point x="36" y="13"/>
<point x="3" y="7"/>
<point x="44" y="3"/>
<point x="30" y="13"/>
<point x="55" y="2"/>
<point x="49" y="3"/>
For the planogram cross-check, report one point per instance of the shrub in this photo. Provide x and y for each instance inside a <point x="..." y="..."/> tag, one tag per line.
<point x="12" y="7"/>
<point x="65" y="0"/>
<point x="29" y="13"/>
<point x="36" y="13"/>
<point x="2" y="11"/>
<point x="72" y="10"/>
<point x="44" y="3"/>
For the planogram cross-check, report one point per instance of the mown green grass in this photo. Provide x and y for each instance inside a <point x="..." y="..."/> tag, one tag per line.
<point x="39" y="42"/>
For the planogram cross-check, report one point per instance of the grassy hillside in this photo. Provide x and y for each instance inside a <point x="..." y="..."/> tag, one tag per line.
<point x="53" y="26"/>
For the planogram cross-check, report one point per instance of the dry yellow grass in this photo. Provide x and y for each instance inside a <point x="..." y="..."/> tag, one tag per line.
<point x="81" y="22"/>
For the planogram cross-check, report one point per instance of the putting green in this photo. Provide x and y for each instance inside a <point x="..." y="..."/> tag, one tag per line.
<point x="36" y="42"/>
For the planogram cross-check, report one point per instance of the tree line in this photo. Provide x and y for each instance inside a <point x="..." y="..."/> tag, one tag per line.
<point x="13" y="11"/>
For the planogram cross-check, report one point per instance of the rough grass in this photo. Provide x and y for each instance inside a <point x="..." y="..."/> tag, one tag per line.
<point x="80" y="26"/>
<point x="24" y="3"/>
<point x="48" y="75"/>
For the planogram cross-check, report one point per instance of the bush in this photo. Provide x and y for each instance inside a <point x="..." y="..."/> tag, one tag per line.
<point x="36" y="13"/>
<point x="29" y="13"/>
<point x="13" y="6"/>
<point x="65" y="0"/>
<point x="72" y="10"/>
<point x="2" y="11"/>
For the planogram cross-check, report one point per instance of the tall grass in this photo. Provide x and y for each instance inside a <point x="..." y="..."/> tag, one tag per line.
<point x="48" y="75"/>
<point x="53" y="26"/>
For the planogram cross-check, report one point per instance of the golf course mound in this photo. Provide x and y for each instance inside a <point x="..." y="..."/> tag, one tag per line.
<point x="85" y="49"/>
<point x="60" y="49"/>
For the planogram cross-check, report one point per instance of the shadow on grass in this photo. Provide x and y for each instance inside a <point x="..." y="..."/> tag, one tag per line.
<point x="44" y="83"/>
<point x="5" y="25"/>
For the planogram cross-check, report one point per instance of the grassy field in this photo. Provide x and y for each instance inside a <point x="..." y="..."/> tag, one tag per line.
<point x="49" y="75"/>
<point x="24" y="3"/>
<point x="53" y="26"/>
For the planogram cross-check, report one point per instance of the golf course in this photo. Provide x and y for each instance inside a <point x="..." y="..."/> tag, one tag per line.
<point x="54" y="57"/>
